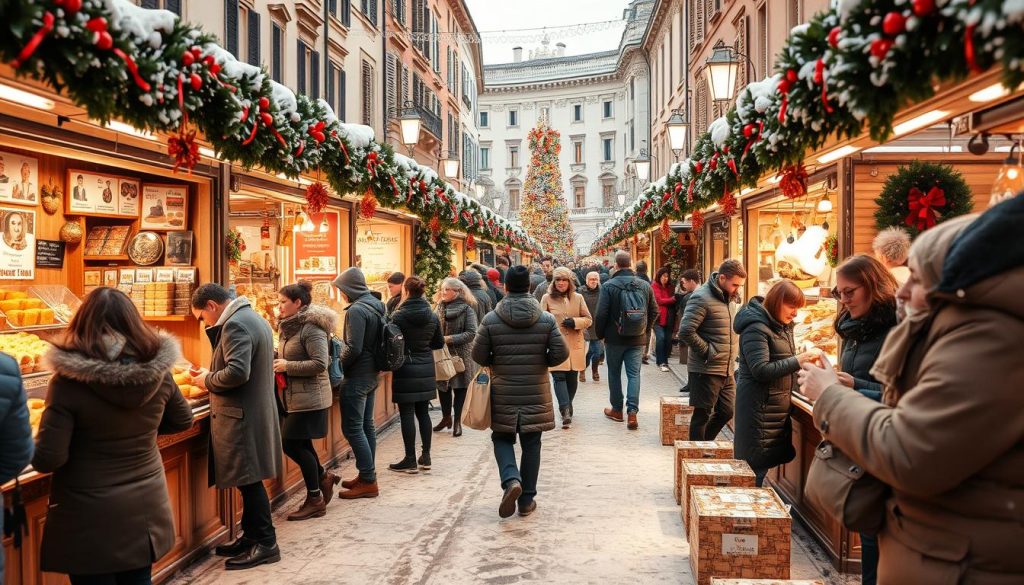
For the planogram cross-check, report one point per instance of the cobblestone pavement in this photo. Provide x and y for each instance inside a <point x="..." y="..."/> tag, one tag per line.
<point x="605" y="515"/>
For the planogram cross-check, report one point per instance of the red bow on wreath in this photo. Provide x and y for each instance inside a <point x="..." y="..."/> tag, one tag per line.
<point x="922" y="207"/>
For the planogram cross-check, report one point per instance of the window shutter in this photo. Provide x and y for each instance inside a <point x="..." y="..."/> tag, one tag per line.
<point x="276" y="58"/>
<point x="254" y="38"/>
<point x="700" y="20"/>
<point x="367" y="84"/>
<point x="332" y="7"/>
<point x="151" y="4"/>
<point x="343" y="89"/>
<point x="373" y="12"/>
<point x="315" y="74"/>
<point x="405" y="85"/>
<point x="300" y="59"/>
<point x="231" y="26"/>
<point x="437" y="46"/>
<point x="391" y="82"/>
<point x="346" y="14"/>
<point x="741" y="48"/>
<point x="331" y="80"/>
<point x="174" y="6"/>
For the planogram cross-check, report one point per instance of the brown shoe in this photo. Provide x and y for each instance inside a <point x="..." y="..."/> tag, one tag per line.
<point x="362" y="489"/>
<point x="595" y="374"/>
<point x="615" y="415"/>
<point x="350" y="483"/>
<point x="327" y="483"/>
<point x="313" y="507"/>
<point x="632" y="424"/>
<point x="583" y="375"/>
<point x="446" y="423"/>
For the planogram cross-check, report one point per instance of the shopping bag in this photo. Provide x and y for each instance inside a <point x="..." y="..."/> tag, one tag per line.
<point x="476" y="414"/>
<point x="444" y="368"/>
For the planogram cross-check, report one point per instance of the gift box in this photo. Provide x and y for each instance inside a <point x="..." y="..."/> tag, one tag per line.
<point x="675" y="419"/>
<point x="711" y="473"/>
<point x="738" y="533"/>
<point x="698" y="450"/>
<point x="717" y="581"/>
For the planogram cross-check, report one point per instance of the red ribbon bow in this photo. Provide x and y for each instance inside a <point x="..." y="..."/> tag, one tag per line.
<point x="922" y="207"/>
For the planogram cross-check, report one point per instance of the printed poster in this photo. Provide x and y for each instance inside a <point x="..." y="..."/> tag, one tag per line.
<point x="378" y="250"/>
<point x="164" y="207"/>
<point x="315" y="254"/>
<point x="19" y="178"/>
<point x="17" y="243"/>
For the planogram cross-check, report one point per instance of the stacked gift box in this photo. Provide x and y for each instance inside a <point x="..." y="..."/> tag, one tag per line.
<point x="713" y="473"/>
<point x="675" y="419"/>
<point x="698" y="450"/>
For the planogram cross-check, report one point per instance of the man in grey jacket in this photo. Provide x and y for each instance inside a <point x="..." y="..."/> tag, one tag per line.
<point x="245" y="435"/>
<point x="707" y="331"/>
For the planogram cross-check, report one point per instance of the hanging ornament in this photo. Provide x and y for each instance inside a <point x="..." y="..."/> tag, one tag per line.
<point x="51" y="195"/>
<point x="368" y="204"/>
<point x="894" y="23"/>
<point x="666" y="231"/>
<point x="316" y="197"/>
<point x="833" y="37"/>
<point x="435" y="226"/>
<point x="819" y="78"/>
<point x="70" y="6"/>
<point x="71" y="232"/>
<point x="183" y="149"/>
<point x="470" y="242"/>
<point x="880" y="48"/>
<point x="794" y="181"/>
<point x="697" y="221"/>
<point x="728" y="203"/>
<point x="923" y="8"/>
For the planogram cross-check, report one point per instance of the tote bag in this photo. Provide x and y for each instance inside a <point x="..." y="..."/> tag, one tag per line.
<point x="444" y="367"/>
<point x="476" y="414"/>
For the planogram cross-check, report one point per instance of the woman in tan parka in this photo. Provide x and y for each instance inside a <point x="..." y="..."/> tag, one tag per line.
<point x="573" y="318"/>
<point x="948" y="436"/>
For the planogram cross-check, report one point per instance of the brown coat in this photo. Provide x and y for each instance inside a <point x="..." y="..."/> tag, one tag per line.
<point x="304" y="339"/>
<point x="576" y="309"/>
<point x="951" y="446"/>
<point x="109" y="508"/>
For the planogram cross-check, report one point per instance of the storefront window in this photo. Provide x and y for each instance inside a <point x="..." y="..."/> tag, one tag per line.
<point x="383" y="247"/>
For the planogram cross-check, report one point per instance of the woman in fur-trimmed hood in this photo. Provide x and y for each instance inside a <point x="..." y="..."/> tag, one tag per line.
<point x="111" y="394"/>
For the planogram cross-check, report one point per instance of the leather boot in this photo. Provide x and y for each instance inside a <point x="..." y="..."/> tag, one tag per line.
<point x="596" y="375"/>
<point x="234" y="548"/>
<point x="327" y="483"/>
<point x="362" y="489"/>
<point x="446" y="423"/>
<point x="255" y="556"/>
<point x="313" y="507"/>
<point x="583" y="375"/>
<point x="457" y="428"/>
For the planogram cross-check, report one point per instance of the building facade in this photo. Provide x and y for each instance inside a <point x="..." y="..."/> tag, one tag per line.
<point x="599" y="102"/>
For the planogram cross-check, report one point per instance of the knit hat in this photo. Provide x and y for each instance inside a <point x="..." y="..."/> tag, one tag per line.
<point x="493" y="275"/>
<point x="396" y="278"/>
<point x="517" y="279"/>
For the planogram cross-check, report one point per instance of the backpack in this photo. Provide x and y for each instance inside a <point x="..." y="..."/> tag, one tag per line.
<point x="334" y="372"/>
<point x="389" y="355"/>
<point x="632" y="318"/>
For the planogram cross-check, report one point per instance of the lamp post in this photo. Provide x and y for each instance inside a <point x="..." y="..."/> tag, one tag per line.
<point x="410" y="122"/>
<point x="449" y="165"/>
<point x="721" y="70"/>
<point x="678" y="128"/>
<point x="497" y="203"/>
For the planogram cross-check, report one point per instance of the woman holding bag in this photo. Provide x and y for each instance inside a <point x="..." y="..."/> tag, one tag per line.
<point x="573" y="317"/>
<point x="414" y="384"/>
<point x="456" y="311"/>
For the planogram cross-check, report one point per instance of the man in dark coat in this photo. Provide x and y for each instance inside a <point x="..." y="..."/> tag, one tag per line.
<point x="363" y="317"/>
<point x="688" y="282"/>
<point x="519" y="342"/>
<point x="707" y="331"/>
<point x="484" y="301"/>
<point x="591" y="292"/>
<point x="15" y="432"/>
<point x="623" y="350"/>
<point x="244" y="430"/>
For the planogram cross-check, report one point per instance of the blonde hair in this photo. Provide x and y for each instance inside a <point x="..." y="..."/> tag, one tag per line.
<point x="892" y="244"/>
<point x="456" y="285"/>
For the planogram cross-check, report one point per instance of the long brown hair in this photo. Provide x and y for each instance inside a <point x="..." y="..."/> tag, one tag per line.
<point x="784" y="292"/>
<point x="104" y="312"/>
<point x="871" y="274"/>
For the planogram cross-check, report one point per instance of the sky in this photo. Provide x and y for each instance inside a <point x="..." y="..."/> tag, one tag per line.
<point x="499" y="15"/>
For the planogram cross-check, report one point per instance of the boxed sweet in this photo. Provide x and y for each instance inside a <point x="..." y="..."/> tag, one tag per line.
<point x="698" y="450"/>
<point x="675" y="419"/>
<point x="738" y="533"/>
<point x="717" y="581"/>
<point x="713" y="473"/>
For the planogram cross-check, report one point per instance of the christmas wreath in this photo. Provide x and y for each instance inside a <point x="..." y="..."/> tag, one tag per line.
<point x="921" y="195"/>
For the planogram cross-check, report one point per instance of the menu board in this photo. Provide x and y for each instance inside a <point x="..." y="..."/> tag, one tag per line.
<point x="91" y="193"/>
<point x="49" y="254"/>
<point x="378" y="250"/>
<point x="315" y="254"/>
<point x="164" y="207"/>
<point x="19" y="178"/>
<point x="17" y="243"/>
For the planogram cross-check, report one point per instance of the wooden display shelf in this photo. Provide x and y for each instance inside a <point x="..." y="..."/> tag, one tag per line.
<point x="178" y="318"/>
<point x="115" y="257"/>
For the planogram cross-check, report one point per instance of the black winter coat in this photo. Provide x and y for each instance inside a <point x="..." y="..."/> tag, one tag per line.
<point x="520" y="342"/>
<point x="609" y="308"/>
<point x="414" y="381"/>
<point x="764" y="381"/>
<point x="361" y="337"/>
<point x="707" y="330"/>
<point x="862" y="342"/>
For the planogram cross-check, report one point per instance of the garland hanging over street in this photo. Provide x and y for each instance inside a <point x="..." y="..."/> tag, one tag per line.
<point x="162" y="75"/>
<point x="848" y="70"/>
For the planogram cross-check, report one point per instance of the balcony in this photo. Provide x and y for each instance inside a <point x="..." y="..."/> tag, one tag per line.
<point x="592" y="212"/>
<point x="431" y="122"/>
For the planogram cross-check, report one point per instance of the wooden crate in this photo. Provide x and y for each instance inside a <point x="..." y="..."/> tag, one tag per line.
<point x="675" y="419"/>
<point x="738" y="533"/>
<point x="713" y="473"/>
<point x="717" y="581"/>
<point x="698" y="450"/>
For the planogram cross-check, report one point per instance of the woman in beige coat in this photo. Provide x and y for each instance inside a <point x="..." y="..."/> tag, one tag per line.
<point x="573" y="318"/>
<point x="948" y="436"/>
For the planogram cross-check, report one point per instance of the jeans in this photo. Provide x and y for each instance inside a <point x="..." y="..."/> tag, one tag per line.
<point x="868" y="559"/>
<point x="565" y="387"/>
<point x="662" y="343"/>
<point x="140" y="576"/>
<point x="410" y="413"/>
<point x="595" y="351"/>
<point x="357" y="401"/>
<point x="257" y="523"/>
<point x="529" y="464"/>
<point x="712" y="399"/>
<point x="628" y="355"/>
<point x="302" y="452"/>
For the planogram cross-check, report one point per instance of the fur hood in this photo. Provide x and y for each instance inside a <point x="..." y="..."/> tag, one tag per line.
<point x="126" y="383"/>
<point x="316" y="315"/>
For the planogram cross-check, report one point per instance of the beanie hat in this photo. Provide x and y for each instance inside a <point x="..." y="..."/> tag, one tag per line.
<point x="517" y="279"/>
<point x="396" y="278"/>
<point x="493" y="275"/>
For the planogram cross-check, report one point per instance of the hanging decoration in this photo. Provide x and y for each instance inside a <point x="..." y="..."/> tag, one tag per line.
<point x="793" y="181"/>
<point x="316" y="197"/>
<point x="470" y="242"/>
<point x="235" y="245"/>
<point x="921" y="195"/>
<point x="368" y="205"/>
<point x="832" y="250"/>
<point x="183" y="149"/>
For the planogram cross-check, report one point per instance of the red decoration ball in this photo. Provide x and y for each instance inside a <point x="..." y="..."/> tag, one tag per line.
<point x="187" y="58"/>
<point x="104" y="41"/>
<point x="748" y="130"/>
<point x="791" y="76"/>
<point x="880" y="48"/>
<point x="784" y="86"/>
<point x="894" y="23"/>
<point x="214" y="69"/>
<point x="264" y="103"/>
<point x="196" y="82"/>
<point x="72" y="6"/>
<point x="713" y="164"/>
<point x="923" y="7"/>
<point x="197" y="52"/>
<point x="268" y="120"/>
<point x="96" y="24"/>
<point x="699" y="167"/>
<point x="833" y="36"/>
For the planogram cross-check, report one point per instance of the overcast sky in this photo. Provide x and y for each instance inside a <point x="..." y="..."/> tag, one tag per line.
<point x="496" y="15"/>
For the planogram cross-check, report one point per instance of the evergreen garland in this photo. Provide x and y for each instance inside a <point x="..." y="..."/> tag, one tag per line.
<point x="894" y="200"/>
<point x="433" y="257"/>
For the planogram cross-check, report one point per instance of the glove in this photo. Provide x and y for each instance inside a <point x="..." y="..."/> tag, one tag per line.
<point x="569" y="323"/>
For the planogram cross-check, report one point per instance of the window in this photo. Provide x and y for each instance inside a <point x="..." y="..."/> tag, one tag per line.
<point x="231" y="26"/>
<point x="545" y="113"/>
<point x="699" y="20"/>
<point x="513" y="157"/>
<point x="308" y="70"/>
<point x="608" y="194"/>
<point x="513" y="199"/>
<point x="336" y="90"/>
<point x="435" y="56"/>
<point x="485" y="158"/>
<point x="367" y="84"/>
<point x="762" y="36"/>
<point x="485" y="119"/>
<point x="277" y="48"/>
<point x="577" y="112"/>
<point x="369" y="9"/>
<point x="794" y="13"/>
<point x="513" y="118"/>
<point x="607" y="145"/>
<point x="577" y="151"/>
<point x="632" y="137"/>
<point x="398" y="11"/>
<point x="391" y="82"/>
<point x="172" y="5"/>
<point x="420" y="26"/>
<point x="606" y="109"/>
<point x="579" y="196"/>
<point x="253" y="38"/>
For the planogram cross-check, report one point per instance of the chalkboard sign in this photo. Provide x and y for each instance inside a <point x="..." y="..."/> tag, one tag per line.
<point x="49" y="254"/>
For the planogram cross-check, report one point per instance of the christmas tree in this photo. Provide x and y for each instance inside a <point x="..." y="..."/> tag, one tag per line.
<point x="544" y="214"/>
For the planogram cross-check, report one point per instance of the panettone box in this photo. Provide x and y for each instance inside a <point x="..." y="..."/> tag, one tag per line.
<point x="675" y="419"/>
<point x="713" y="473"/>
<point x="698" y="450"/>
<point x="738" y="533"/>
<point x="717" y="581"/>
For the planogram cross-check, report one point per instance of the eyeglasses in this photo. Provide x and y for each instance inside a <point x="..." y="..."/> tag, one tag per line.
<point x="844" y="294"/>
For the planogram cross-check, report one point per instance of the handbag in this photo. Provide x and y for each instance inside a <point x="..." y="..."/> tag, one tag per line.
<point x="476" y="413"/>
<point x="456" y="360"/>
<point x="444" y="367"/>
<point x="840" y="487"/>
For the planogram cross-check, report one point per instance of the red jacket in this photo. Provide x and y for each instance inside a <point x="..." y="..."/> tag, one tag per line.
<point x="666" y="298"/>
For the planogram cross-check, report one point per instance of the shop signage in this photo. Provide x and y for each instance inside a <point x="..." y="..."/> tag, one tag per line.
<point x="315" y="254"/>
<point x="378" y="249"/>
<point x="17" y="243"/>
<point x="49" y="254"/>
<point x="720" y="231"/>
<point x="90" y="193"/>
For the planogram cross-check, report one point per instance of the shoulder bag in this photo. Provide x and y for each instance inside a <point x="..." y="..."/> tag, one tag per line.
<point x="457" y="361"/>
<point x="476" y="414"/>
<point x="841" y="488"/>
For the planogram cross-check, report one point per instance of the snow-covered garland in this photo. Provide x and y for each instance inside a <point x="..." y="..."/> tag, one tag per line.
<point x="846" y="70"/>
<point x="160" y="74"/>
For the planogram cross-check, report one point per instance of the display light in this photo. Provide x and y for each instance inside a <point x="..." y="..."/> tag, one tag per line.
<point x="411" y="123"/>
<point x="324" y="226"/>
<point x="825" y="204"/>
<point x="1010" y="180"/>
<point x="13" y="94"/>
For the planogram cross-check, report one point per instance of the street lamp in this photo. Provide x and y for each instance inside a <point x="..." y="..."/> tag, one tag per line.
<point x="411" y="123"/>
<point x="622" y="199"/>
<point x="497" y="203"/>
<point x="480" y="190"/>
<point x="642" y="166"/>
<point x="721" y="70"/>
<point x="450" y="165"/>
<point x="678" y="129"/>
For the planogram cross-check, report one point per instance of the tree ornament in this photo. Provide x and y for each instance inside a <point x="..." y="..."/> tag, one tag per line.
<point x="435" y="226"/>
<point x="368" y="204"/>
<point x="880" y="48"/>
<point x="51" y="195"/>
<point x="833" y="36"/>
<point x="71" y="232"/>
<point x="316" y="197"/>
<point x="749" y="130"/>
<point x="794" y="181"/>
<point x="699" y="167"/>
<point x="921" y="195"/>
<point x="894" y="23"/>
<point x="71" y="7"/>
<point x="196" y="82"/>
<point x="187" y="58"/>
<point x="183" y="149"/>
<point x="470" y="242"/>
<point x="697" y="221"/>
<point x="923" y="8"/>
<point x="666" y="231"/>
<point x="791" y="76"/>
<point x="727" y="203"/>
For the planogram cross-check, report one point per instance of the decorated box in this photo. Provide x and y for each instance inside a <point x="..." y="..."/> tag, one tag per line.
<point x="698" y="450"/>
<point x="675" y="419"/>
<point x="717" y="581"/>
<point x="738" y="533"/>
<point x="711" y="472"/>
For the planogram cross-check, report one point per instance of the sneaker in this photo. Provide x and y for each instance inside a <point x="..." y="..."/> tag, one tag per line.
<point x="407" y="465"/>
<point x="664" y="368"/>
<point x="513" y="490"/>
<point x="527" y="508"/>
<point x="424" y="460"/>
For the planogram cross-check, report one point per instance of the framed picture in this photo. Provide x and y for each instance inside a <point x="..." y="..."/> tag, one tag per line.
<point x="17" y="243"/>
<point x="164" y="207"/>
<point x="110" y="278"/>
<point x="179" y="248"/>
<point x="90" y="193"/>
<point x="19" y="178"/>
<point x="128" y="200"/>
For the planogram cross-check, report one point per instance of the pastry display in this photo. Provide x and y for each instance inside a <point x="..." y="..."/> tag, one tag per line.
<point x="183" y="378"/>
<point x="36" y="406"/>
<point x="27" y="349"/>
<point x="815" y="329"/>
